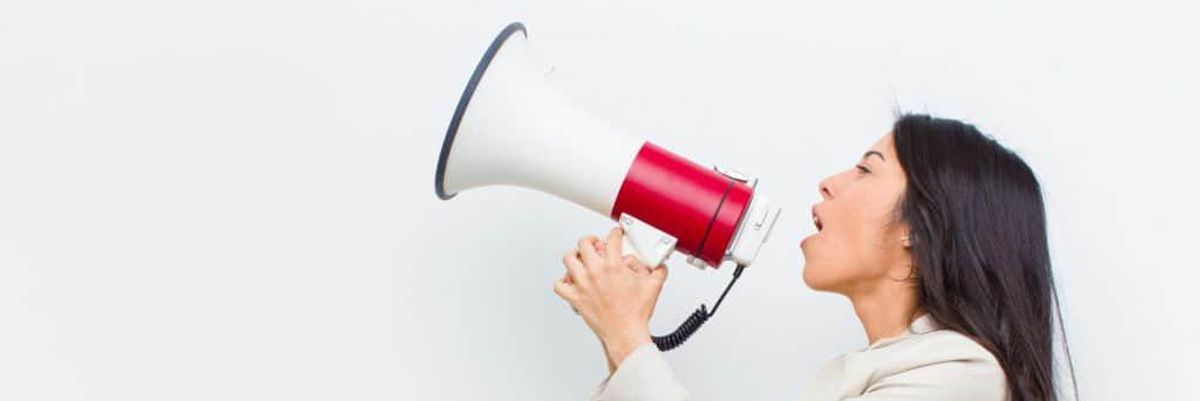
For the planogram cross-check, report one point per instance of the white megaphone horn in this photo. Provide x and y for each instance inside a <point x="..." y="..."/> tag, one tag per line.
<point x="511" y="127"/>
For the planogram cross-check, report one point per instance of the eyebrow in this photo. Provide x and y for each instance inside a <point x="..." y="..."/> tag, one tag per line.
<point x="874" y="152"/>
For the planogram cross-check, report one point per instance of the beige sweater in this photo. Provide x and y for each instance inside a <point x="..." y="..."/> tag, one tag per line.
<point x="924" y="363"/>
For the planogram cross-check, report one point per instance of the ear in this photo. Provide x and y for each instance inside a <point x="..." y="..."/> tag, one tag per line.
<point x="903" y="231"/>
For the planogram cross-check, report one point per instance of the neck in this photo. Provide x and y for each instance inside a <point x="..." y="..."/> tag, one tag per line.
<point x="886" y="312"/>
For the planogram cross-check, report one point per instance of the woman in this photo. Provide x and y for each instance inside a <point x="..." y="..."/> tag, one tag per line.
<point x="938" y="238"/>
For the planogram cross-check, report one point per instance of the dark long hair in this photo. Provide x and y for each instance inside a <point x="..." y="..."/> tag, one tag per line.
<point x="979" y="246"/>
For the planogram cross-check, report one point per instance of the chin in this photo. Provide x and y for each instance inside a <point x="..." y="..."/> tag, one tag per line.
<point x="819" y="280"/>
<point x="810" y="279"/>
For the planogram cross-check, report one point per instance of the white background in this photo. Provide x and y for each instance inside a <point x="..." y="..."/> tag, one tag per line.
<point x="234" y="199"/>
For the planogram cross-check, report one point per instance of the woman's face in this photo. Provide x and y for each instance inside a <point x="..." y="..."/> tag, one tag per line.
<point x="859" y="238"/>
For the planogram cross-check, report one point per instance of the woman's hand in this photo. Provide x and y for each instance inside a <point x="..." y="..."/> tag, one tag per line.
<point x="615" y="295"/>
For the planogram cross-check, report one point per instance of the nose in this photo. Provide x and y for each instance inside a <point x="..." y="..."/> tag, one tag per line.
<point x="823" y="188"/>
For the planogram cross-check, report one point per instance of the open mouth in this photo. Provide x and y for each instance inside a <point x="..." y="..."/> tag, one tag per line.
<point x="817" y="219"/>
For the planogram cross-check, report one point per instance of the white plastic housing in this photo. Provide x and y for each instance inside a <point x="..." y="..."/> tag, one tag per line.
<point x="518" y="130"/>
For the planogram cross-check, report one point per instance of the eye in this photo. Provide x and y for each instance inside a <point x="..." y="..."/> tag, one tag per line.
<point x="862" y="169"/>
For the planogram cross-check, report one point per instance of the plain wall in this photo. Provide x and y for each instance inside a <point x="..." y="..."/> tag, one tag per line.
<point x="234" y="199"/>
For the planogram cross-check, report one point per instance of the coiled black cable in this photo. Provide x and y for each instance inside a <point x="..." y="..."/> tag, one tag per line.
<point x="693" y="322"/>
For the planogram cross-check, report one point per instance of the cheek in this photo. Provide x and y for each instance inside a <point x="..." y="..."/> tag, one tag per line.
<point x="867" y="229"/>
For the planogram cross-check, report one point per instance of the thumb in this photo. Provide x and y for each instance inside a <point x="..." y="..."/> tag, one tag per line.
<point x="660" y="274"/>
<point x="635" y="265"/>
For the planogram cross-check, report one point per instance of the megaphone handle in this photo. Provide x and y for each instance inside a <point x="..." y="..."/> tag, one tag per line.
<point x="649" y="244"/>
<point x="693" y="322"/>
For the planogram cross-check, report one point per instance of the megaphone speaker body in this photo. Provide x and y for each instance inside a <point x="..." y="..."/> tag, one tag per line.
<point x="511" y="127"/>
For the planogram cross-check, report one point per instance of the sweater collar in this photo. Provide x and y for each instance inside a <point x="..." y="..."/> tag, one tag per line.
<point x="921" y="325"/>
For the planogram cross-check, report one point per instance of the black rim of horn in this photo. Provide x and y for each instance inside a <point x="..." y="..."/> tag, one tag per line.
<point x="465" y="101"/>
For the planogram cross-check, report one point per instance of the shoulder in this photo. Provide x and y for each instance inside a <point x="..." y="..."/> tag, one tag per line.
<point x="936" y="365"/>
<point x="940" y="346"/>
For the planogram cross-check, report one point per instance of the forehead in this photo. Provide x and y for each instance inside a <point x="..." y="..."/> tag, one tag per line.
<point x="885" y="145"/>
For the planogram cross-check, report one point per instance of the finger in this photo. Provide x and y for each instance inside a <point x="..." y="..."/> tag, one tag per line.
<point x="565" y="291"/>
<point x="575" y="269"/>
<point x="614" y="242"/>
<point x="635" y="265"/>
<point x="601" y="248"/>
<point x="568" y="292"/>
<point x="587" y="248"/>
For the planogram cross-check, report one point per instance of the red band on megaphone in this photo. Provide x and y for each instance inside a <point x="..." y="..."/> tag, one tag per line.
<point x="695" y="204"/>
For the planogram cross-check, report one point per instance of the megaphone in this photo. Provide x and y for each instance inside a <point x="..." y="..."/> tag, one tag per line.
<point x="511" y="127"/>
